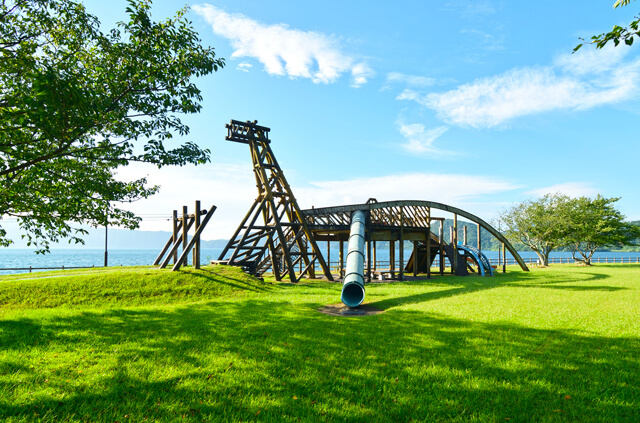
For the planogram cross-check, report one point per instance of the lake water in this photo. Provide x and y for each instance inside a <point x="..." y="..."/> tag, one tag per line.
<point x="23" y="258"/>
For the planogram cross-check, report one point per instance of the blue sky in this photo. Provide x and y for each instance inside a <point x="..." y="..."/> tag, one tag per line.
<point x="477" y="104"/>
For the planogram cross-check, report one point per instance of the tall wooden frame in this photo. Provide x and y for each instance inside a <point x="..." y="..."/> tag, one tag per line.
<point x="282" y="239"/>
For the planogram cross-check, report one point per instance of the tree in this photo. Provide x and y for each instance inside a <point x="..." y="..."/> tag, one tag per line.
<point x="539" y="224"/>
<point x="596" y="223"/>
<point x="76" y="104"/>
<point x="617" y="34"/>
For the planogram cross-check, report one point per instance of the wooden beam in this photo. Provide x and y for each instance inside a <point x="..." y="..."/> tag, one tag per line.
<point x="401" y="250"/>
<point x="429" y="252"/>
<point x="174" y="250"/>
<point x="166" y="247"/>
<point x="199" y="230"/>
<point x="196" y="250"/>
<point x="184" y="233"/>
<point x="175" y="235"/>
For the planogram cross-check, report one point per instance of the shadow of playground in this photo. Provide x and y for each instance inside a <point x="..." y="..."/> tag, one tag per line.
<point x="468" y="285"/>
<point x="264" y="360"/>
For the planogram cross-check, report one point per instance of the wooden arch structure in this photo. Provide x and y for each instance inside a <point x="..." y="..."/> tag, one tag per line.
<point x="395" y="220"/>
<point x="277" y="235"/>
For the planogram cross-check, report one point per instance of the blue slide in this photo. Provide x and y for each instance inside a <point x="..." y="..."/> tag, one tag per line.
<point x="484" y="266"/>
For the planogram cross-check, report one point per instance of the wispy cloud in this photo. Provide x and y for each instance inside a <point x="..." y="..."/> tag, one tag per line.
<point x="410" y="80"/>
<point x="472" y="9"/>
<point x="581" y="81"/>
<point x="485" y="40"/>
<point x="244" y="66"/>
<point x="453" y="189"/>
<point x="420" y="140"/>
<point x="286" y="51"/>
<point x="572" y="189"/>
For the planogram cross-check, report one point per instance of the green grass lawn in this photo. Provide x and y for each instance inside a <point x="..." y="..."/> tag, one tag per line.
<point x="559" y="344"/>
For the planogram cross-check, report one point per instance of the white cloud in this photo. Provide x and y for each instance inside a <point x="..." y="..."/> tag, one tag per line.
<point x="244" y="66"/>
<point x="452" y="189"/>
<point x="411" y="80"/>
<point x="582" y="81"/>
<point x="572" y="189"/>
<point x="231" y="187"/>
<point x="419" y="139"/>
<point x="409" y="94"/>
<point x="285" y="51"/>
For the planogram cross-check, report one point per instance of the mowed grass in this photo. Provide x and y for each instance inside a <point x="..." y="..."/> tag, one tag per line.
<point x="560" y="344"/>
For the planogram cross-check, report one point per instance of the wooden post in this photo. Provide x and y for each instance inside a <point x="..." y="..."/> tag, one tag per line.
<point x="185" y="218"/>
<point x="375" y="258"/>
<point x="415" y="258"/>
<point x="479" y="239"/>
<point x="175" y="234"/>
<point x="341" y="258"/>
<point x="392" y="258"/>
<point x="504" y="258"/>
<point x="464" y="235"/>
<point x="429" y="249"/>
<point x="368" y="235"/>
<point x="329" y="254"/>
<point x="441" y="234"/>
<point x="401" y="249"/>
<point x="185" y="252"/>
<point x="196" y="249"/>
<point x="454" y="241"/>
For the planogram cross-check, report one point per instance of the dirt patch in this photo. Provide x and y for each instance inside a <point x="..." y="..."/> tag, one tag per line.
<point x="344" y="311"/>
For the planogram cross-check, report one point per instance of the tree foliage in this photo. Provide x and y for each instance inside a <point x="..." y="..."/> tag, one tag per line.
<point x="581" y="224"/>
<point x="77" y="103"/>
<point x="539" y="224"/>
<point x="618" y="34"/>
<point x="596" y="223"/>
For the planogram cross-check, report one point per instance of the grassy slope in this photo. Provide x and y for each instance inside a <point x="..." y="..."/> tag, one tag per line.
<point x="556" y="344"/>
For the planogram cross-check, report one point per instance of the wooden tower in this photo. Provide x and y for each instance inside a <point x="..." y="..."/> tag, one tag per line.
<point x="281" y="240"/>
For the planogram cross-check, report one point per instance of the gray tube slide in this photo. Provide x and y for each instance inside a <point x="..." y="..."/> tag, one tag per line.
<point x="353" y="283"/>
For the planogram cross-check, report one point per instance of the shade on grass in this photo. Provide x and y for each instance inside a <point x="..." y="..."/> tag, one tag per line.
<point x="557" y="344"/>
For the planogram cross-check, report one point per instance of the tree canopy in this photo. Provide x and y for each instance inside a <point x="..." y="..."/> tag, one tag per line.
<point x="77" y="103"/>
<point x="618" y="34"/>
<point x="539" y="224"/>
<point x="596" y="223"/>
<point x="581" y="224"/>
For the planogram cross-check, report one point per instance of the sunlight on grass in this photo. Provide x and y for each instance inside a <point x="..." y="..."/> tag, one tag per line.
<point x="557" y="344"/>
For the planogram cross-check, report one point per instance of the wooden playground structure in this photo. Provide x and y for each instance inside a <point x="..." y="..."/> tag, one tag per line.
<point x="277" y="236"/>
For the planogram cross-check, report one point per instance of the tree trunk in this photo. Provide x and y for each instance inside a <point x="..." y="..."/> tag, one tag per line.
<point x="543" y="257"/>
